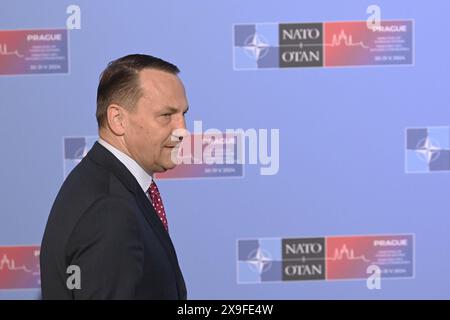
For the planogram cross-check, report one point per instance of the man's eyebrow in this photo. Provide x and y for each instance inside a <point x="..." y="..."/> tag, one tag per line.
<point x="173" y="109"/>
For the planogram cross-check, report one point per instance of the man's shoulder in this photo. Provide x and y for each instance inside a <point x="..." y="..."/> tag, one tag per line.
<point x="88" y="189"/>
<point x="87" y="177"/>
<point x="87" y="183"/>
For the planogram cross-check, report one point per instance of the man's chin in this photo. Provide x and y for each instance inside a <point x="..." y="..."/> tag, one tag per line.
<point x="164" y="167"/>
<point x="170" y="166"/>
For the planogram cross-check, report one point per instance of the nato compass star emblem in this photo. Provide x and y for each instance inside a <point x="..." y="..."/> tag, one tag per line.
<point x="427" y="150"/>
<point x="259" y="260"/>
<point x="256" y="46"/>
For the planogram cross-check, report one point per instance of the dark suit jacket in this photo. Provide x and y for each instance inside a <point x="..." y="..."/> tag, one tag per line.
<point x="104" y="223"/>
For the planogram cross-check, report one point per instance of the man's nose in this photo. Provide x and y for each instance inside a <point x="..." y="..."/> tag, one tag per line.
<point x="179" y="131"/>
<point x="180" y="123"/>
<point x="183" y="123"/>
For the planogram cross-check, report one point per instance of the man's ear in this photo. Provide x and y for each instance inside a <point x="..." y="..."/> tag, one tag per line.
<point x="115" y="115"/>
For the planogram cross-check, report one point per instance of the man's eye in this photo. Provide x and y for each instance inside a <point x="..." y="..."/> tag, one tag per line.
<point x="166" y="114"/>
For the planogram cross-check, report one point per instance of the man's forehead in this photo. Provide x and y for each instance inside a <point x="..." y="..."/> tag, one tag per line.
<point x="157" y="82"/>
<point x="158" y="77"/>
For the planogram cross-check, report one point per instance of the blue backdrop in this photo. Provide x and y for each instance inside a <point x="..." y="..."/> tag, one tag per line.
<point x="343" y="131"/>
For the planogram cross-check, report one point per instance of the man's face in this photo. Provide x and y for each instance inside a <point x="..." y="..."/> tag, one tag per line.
<point x="158" y="113"/>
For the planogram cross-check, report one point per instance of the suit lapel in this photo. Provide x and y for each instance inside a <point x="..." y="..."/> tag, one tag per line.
<point x="153" y="219"/>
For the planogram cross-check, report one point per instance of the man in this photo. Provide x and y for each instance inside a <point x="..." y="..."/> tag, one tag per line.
<point x="108" y="225"/>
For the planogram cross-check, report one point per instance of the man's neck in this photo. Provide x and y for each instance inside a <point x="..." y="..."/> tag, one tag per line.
<point x="116" y="144"/>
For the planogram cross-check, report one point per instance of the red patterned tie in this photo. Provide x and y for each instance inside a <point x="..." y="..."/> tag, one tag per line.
<point x="157" y="204"/>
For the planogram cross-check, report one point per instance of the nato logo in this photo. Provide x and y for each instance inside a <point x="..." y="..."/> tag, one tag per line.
<point x="324" y="258"/>
<point x="277" y="260"/>
<point x="256" y="46"/>
<point x="427" y="149"/>
<point x="259" y="261"/>
<point x="262" y="46"/>
<point x="272" y="45"/>
<point x="74" y="150"/>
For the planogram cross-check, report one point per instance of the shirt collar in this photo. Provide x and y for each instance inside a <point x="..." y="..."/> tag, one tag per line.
<point x="142" y="177"/>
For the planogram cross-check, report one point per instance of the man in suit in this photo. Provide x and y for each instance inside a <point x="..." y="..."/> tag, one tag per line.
<point x="108" y="224"/>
